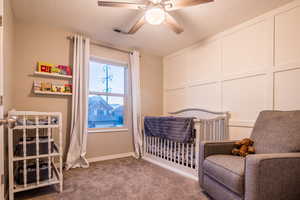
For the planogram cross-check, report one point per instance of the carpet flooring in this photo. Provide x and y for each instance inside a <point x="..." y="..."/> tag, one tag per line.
<point x="120" y="179"/>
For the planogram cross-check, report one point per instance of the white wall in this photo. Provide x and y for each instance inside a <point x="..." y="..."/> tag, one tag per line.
<point x="249" y="68"/>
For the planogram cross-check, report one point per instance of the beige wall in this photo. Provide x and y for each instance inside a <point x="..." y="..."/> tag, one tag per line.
<point x="8" y="58"/>
<point x="108" y="143"/>
<point x="42" y="43"/>
<point x="8" y="48"/>
<point x="244" y="70"/>
<point x="151" y="85"/>
<point x="35" y="43"/>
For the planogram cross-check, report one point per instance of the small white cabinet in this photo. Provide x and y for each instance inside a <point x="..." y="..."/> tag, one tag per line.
<point x="35" y="151"/>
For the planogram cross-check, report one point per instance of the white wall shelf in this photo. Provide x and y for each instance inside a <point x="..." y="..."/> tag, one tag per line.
<point x="52" y="93"/>
<point x="52" y="75"/>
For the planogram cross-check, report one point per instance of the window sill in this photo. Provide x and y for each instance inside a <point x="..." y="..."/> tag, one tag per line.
<point x="107" y="130"/>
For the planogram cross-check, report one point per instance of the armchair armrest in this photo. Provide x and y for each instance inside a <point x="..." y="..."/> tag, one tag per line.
<point x="272" y="176"/>
<point x="208" y="148"/>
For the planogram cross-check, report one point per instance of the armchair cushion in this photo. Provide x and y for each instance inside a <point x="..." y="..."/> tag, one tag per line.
<point x="277" y="132"/>
<point x="208" y="148"/>
<point x="272" y="176"/>
<point x="227" y="170"/>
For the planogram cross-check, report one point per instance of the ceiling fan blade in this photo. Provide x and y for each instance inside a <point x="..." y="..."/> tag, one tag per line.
<point x="134" y="6"/>
<point x="172" y="24"/>
<point x="137" y="25"/>
<point x="185" y="3"/>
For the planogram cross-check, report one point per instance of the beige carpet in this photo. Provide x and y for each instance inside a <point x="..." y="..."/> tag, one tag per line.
<point x="121" y="179"/>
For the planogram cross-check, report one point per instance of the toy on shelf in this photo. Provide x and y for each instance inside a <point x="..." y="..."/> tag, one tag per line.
<point x="44" y="67"/>
<point x="65" y="70"/>
<point x="42" y="86"/>
<point x="55" y="70"/>
<point x="58" y="88"/>
<point x="52" y="69"/>
<point x="68" y="88"/>
<point x="46" y="86"/>
<point x="37" y="85"/>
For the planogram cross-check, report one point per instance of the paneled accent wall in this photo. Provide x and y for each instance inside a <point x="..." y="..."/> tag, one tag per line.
<point x="252" y="67"/>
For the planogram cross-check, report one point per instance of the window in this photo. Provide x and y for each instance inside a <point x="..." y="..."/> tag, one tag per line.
<point x="107" y="86"/>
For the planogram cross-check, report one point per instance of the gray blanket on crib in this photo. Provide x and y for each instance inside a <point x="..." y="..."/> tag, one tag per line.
<point x="179" y="129"/>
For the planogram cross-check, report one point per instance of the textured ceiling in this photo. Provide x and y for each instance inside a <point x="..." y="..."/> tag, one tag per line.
<point x="85" y="16"/>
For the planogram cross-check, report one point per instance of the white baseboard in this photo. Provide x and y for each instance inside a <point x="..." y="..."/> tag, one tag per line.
<point x="110" y="157"/>
<point x="177" y="171"/>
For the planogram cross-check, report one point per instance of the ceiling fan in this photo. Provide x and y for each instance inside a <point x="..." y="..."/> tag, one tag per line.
<point x="155" y="12"/>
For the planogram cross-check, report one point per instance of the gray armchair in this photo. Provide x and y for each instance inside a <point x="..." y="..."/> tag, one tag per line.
<point x="273" y="173"/>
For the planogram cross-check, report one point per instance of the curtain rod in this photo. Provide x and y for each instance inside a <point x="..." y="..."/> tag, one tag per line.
<point x="105" y="46"/>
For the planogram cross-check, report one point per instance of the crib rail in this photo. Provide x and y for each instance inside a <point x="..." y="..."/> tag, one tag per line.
<point x="184" y="156"/>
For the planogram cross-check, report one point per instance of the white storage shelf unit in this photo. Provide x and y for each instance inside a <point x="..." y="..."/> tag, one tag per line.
<point x="40" y="127"/>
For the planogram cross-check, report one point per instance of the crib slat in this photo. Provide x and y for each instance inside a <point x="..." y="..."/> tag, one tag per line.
<point x="192" y="155"/>
<point x="211" y="131"/>
<point x="224" y="129"/>
<point x="157" y="144"/>
<point x="176" y="152"/>
<point x="217" y="130"/>
<point x="206" y="130"/>
<point x="161" y="147"/>
<point x="214" y="130"/>
<point x="147" y="144"/>
<point x="164" y="148"/>
<point x="49" y="149"/>
<point x="168" y="150"/>
<point x="152" y="145"/>
<point x="182" y="153"/>
<point x="187" y="155"/>
<point x="24" y="152"/>
<point x="173" y="151"/>
<point x="37" y="151"/>
<point x="179" y="152"/>
<point x="220" y="130"/>
<point x="144" y="143"/>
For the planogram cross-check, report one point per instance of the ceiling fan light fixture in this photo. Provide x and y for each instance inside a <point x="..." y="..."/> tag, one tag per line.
<point x="155" y="16"/>
<point x="156" y="1"/>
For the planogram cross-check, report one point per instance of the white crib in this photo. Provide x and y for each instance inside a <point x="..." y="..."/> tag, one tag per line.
<point x="183" y="158"/>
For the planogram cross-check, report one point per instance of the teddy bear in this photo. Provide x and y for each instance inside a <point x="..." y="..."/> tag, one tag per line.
<point x="243" y="147"/>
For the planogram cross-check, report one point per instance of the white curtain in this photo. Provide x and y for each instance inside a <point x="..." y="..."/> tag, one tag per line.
<point x="136" y="103"/>
<point x="78" y="137"/>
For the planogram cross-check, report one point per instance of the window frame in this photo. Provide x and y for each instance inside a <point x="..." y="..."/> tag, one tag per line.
<point x="125" y="95"/>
